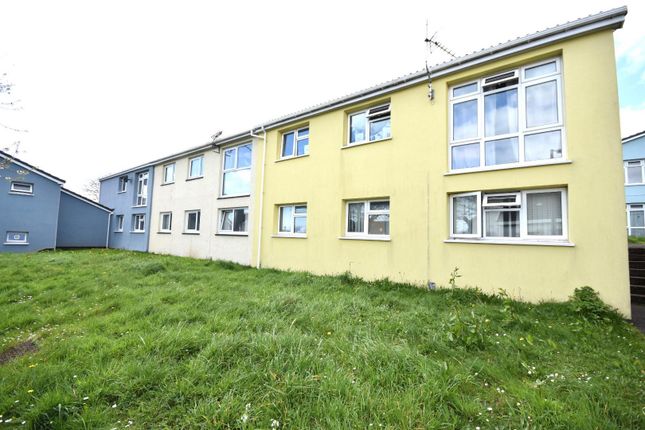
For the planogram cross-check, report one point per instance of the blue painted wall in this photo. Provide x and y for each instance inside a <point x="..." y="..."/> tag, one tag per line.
<point x="80" y="224"/>
<point x="36" y="214"/>
<point x="123" y="204"/>
<point x="634" y="150"/>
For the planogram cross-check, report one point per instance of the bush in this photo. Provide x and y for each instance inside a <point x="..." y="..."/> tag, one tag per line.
<point x="586" y="303"/>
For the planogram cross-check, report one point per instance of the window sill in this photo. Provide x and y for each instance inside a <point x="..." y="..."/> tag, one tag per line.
<point x="232" y="234"/>
<point x="16" y="193"/>
<point x="167" y="183"/>
<point x="15" y="244"/>
<point x="137" y="232"/>
<point x="295" y="157"/>
<point x="505" y="167"/>
<point x="352" y="145"/>
<point x="289" y="236"/>
<point x="191" y="233"/>
<point x="376" y="239"/>
<point x="164" y="232"/>
<point x="194" y="178"/>
<point x="118" y="231"/>
<point x="512" y="242"/>
<point x="627" y="185"/>
<point x="139" y="206"/>
<point x="233" y="197"/>
<point x="121" y="192"/>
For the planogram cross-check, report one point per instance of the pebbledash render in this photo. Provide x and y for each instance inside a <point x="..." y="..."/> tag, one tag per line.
<point x="495" y="171"/>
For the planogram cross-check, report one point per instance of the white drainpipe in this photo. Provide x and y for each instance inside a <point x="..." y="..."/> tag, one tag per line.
<point x="264" y="156"/>
<point x="107" y="234"/>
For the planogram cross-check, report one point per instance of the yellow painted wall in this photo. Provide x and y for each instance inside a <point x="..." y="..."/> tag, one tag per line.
<point x="410" y="169"/>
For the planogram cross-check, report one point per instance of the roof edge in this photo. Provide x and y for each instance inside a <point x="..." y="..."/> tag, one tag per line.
<point x="633" y="136"/>
<point x="31" y="168"/>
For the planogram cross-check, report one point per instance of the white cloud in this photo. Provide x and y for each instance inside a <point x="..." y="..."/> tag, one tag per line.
<point x="632" y="120"/>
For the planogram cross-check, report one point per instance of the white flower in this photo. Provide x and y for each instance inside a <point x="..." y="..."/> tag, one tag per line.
<point x="275" y="424"/>
<point x="114" y="406"/>
<point x="244" y="418"/>
<point x="86" y="398"/>
<point x="489" y="409"/>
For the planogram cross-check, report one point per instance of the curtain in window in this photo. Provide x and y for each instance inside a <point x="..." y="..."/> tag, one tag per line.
<point x="465" y="215"/>
<point x="502" y="223"/>
<point x="544" y="214"/>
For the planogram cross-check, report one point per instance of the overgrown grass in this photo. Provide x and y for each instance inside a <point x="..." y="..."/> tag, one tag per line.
<point x="145" y="341"/>
<point x="636" y="240"/>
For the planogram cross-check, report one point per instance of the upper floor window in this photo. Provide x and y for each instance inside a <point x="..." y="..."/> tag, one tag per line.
<point x="236" y="174"/>
<point x="293" y="220"/>
<point x="123" y="184"/>
<point x="118" y="220"/>
<point x="634" y="171"/>
<point x="196" y="167"/>
<point x="370" y="125"/>
<point x="169" y="173"/>
<point x="368" y="218"/>
<point x="22" y="187"/>
<point x="513" y="117"/>
<point x="138" y="223"/>
<point x="234" y="221"/>
<point x="295" y="143"/>
<point x="142" y="189"/>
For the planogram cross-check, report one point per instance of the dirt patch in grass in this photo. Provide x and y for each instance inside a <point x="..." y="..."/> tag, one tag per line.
<point x="18" y="351"/>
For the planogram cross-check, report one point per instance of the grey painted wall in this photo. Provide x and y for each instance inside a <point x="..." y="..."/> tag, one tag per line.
<point x="36" y="214"/>
<point x="80" y="225"/>
<point x="124" y="204"/>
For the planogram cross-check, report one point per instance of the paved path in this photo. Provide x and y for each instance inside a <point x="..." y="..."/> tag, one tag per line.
<point x="638" y="316"/>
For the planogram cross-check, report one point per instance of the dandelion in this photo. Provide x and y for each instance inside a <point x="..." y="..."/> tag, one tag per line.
<point x="31" y="366"/>
<point x="328" y="333"/>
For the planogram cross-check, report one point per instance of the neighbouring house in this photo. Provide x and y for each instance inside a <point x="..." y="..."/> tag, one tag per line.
<point x="634" y="162"/>
<point x="129" y="193"/>
<point x="37" y="212"/>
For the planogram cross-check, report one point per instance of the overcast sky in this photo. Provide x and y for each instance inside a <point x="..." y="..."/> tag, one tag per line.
<point x="107" y="85"/>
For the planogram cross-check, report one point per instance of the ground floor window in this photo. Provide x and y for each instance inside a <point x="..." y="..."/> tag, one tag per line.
<point x="234" y="221"/>
<point x="636" y="220"/>
<point x="17" y="238"/>
<point x="139" y="223"/>
<point x="192" y="221"/>
<point x="368" y="218"/>
<point x="165" y="222"/>
<point x="118" y="223"/>
<point x="293" y="220"/>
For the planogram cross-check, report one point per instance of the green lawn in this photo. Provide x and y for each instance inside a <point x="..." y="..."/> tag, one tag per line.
<point x="130" y="340"/>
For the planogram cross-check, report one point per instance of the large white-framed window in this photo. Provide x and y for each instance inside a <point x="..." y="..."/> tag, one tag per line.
<point x="295" y="143"/>
<point x="142" y="189"/>
<point x="370" y="125"/>
<point x="169" y="173"/>
<point x="17" y="238"/>
<point x="196" y="167"/>
<point x="234" y="221"/>
<point x="529" y="215"/>
<point x="510" y="118"/>
<point x="165" y="222"/>
<point x="634" y="172"/>
<point x="25" y="188"/>
<point x="636" y="219"/>
<point x="123" y="184"/>
<point x="138" y="223"/>
<point x="236" y="170"/>
<point x="192" y="220"/>
<point x="368" y="218"/>
<point x="119" y="220"/>
<point x="292" y="220"/>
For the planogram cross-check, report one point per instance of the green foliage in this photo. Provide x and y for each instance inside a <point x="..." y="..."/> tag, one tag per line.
<point x="636" y="239"/>
<point x="586" y="303"/>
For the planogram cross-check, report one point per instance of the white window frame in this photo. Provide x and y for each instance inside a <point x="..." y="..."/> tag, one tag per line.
<point x="296" y="139"/>
<point x="122" y="180"/>
<point x="9" y="241"/>
<point x="174" y="171"/>
<point x="366" y="214"/>
<point x="292" y="224"/>
<point x="142" y="189"/>
<point x="190" y="164"/>
<point x="198" y="222"/>
<point x="634" y="207"/>
<point x="162" y="215"/>
<point x="523" y="207"/>
<point x="232" y="231"/>
<point x="632" y="163"/>
<point x="368" y="125"/>
<point x="119" y="221"/>
<point x="23" y="192"/>
<point x="235" y="168"/>
<point x="135" y="223"/>
<point x="523" y="130"/>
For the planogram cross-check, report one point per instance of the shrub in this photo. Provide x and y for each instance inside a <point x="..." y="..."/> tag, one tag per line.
<point x="586" y="303"/>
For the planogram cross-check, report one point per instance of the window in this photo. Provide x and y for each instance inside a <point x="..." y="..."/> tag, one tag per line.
<point x="531" y="214"/>
<point x="236" y="174"/>
<point x="17" y="238"/>
<point x="165" y="222"/>
<point x="22" y="188"/>
<point x="196" y="167"/>
<point x="169" y="173"/>
<point x="369" y="218"/>
<point x="123" y="184"/>
<point x="142" y="189"/>
<point x="636" y="220"/>
<point x="370" y="125"/>
<point x="295" y="143"/>
<point x="138" y="223"/>
<point x="509" y="118"/>
<point x="634" y="172"/>
<point x="118" y="220"/>
<point x="292" y="220"/>
<point x="234" y="220"/>
<point x="192" y="221"/>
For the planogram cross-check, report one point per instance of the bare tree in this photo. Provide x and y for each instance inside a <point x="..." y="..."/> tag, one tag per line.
<point x="8" y="103"/>
<point x="91" y="189"/>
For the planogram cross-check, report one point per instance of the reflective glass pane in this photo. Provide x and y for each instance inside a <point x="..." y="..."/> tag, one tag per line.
<point x="502" y="223"/>
<point x="464" y="89"/>
<point x="465" y="156"/>
<point x="229" y="159"/>
<point x="544" y="214"/>
<point x="464" y="215"/>
<point x="378" y="224"/>
<point x="286" y="217"/>
<point x="196" y="167"/>
<point x="542" y="104"/>
<point x="237" y="182"/>
<point x="464" y="120"/>
<point x="169" y="173"/>
<point x="300" y="224"/>
<point x="638" y="232"/>
<point x="357" y="125"/>
<point x="227" y="221"/>
<point x="303" y="132"/>
<point x="634" y="174"/>
<point x="356" y="218"/>
<point x="192" y="221"/>
<point x="541" y="70"/>
<point x="301" y="209"/>
<point x="287" y="144"/>
<point x="380" y="129"/>
<point x="379" y="206"/>
<point x="244" y="156"/>
<point x="500" y="113"/>
<point x="240" y="220"/>
<point x="636" y="219"/>
<point x="302" y="146"/>
<point x="543" y="146"/>
<point x="502" y="151"/>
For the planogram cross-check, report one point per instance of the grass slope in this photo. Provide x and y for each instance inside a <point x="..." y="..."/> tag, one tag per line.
<point x="130" y="340"/>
